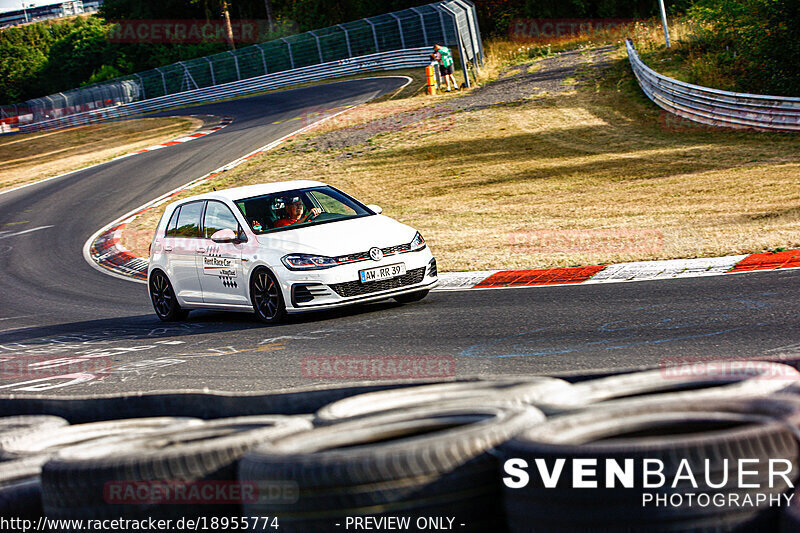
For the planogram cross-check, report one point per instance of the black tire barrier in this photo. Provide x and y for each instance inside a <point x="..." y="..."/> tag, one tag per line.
<point x="391" y="455"/>
<point x="103" y="480"/>
<point x="513" y="391"/>
<point x="651" y="387"/>
<point x="20" y="488"/>
<point x="198" y="404"/>
<point x="709" y="436"/>
<point x="14" y="427"/>
<point x="35" y="439"/>
<point x="51" y="440"/>
<point x="424" y="462"/>
<point x="790" y="515"/>
<point x="21" y="499"/>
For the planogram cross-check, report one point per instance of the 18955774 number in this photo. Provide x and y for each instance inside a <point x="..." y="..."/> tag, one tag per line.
<point x="234" y="523"/>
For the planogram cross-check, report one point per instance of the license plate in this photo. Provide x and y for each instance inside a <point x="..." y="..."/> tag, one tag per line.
<point x="384" y="272"/>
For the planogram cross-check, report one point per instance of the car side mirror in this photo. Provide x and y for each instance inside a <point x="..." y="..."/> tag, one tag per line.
<point x="375" y="209"/>
<point x="224" y="235"/>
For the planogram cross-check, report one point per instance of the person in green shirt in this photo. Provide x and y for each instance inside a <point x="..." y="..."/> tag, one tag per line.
<point x="445" y="57"/>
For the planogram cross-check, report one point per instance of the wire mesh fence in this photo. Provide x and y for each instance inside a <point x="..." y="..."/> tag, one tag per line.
<point x="451" y="23"/>
<point x="396" y="59"/>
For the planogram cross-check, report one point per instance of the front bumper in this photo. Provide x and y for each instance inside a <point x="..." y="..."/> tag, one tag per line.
<point x="340" y="285"/>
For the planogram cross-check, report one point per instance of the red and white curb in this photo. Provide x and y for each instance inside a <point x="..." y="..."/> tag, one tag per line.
<point x="224" y="121"/>
<point x="107" y="251"/>
<point x="621" y="272"/>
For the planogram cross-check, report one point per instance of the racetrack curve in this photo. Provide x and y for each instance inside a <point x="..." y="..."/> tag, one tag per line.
<point x="63" y="315"/>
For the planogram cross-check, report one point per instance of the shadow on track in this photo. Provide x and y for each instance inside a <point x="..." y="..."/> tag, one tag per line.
<point x="139" y="327"/>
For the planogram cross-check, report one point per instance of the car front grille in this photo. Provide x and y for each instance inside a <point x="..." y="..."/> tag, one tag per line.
<point x="362" y="256"/>
<point x="396" y="249"/>
<point x="356" y="288"/>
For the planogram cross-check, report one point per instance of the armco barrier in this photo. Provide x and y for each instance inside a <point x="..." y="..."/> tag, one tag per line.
<point x="452" y="23"/>
<point x="396" y="59"/>
<point x="715" y="107"/>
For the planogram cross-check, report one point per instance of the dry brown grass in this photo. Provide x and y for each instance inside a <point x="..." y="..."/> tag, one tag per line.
<point x="647" y="36"/>
<point x="586" y="177"/>
<point x="34" y="156"/>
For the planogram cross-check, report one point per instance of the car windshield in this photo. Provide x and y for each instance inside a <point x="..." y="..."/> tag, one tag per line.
<point x="299" y="208"/>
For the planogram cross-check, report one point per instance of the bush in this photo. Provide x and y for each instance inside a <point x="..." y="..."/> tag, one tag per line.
<point x="754" y="40"/>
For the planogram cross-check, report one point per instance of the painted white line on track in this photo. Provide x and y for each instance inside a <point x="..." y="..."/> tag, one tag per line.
<point x="24" y="232"/>
<point x="16" y="317"/>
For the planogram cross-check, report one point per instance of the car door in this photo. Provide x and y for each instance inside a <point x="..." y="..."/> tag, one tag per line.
<point x="220" y="265"/>
<point x="186" y="245"/>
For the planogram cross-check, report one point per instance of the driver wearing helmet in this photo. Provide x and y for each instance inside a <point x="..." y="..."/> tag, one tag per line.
<point x="294" y="213"/>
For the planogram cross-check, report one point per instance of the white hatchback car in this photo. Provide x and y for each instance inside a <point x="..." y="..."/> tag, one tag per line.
<point x="282" y="248"/>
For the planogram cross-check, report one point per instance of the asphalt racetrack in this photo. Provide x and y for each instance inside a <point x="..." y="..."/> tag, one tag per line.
<point x="88" y="332"/>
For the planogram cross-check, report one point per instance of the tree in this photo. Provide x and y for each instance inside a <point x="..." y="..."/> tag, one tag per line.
<point x="756" y="37"/>
<point x="20" y="66"/>
<point x="74" y="57"/>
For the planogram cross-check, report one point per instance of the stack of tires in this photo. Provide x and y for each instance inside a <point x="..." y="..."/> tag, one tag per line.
<point x="512" y="454"/>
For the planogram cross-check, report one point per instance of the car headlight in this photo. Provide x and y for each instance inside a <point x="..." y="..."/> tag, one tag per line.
<point x="307" y="262"/>
<point x="418" y="243"/>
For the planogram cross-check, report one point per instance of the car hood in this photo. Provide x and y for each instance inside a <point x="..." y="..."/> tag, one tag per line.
<point x="342" y="237"/>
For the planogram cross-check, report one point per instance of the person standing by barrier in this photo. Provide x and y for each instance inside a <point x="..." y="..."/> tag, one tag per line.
<point x="446" y="65"/>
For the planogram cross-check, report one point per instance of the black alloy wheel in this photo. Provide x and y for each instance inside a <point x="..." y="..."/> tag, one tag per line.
<point x="165" y="303"/>
<point x="266" y="297"/>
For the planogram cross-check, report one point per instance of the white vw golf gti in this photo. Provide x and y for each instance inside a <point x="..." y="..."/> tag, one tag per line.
<point x="282" y="248"/>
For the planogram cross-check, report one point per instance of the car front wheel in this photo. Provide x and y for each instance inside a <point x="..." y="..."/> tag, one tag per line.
<point x="266" y="297"/>
<point x="165" y="303"/>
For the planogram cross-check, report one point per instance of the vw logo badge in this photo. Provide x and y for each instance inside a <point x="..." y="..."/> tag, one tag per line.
<point x="376" y="254"/>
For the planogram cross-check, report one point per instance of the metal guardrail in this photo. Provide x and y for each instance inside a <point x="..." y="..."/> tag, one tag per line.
<point x="451" y="22"/>
<point x="715" y="107"/>
<point x="396" y="59"/>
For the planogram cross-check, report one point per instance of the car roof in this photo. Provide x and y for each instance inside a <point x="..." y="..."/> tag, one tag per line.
<point x="249" y="191"/>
